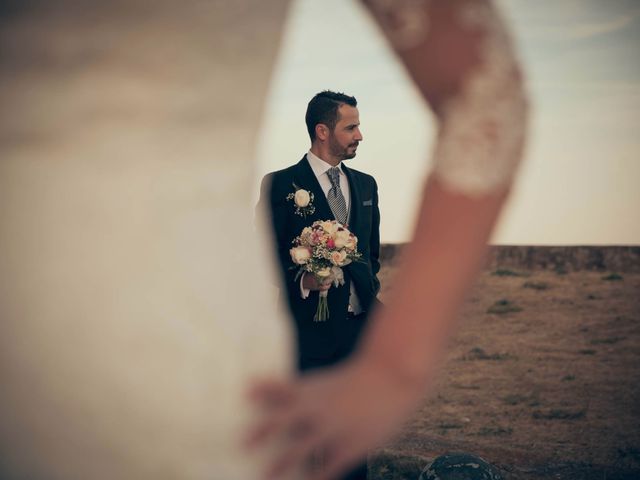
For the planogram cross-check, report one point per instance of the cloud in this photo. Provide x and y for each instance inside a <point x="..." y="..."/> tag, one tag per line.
<point x="588" y="30"/>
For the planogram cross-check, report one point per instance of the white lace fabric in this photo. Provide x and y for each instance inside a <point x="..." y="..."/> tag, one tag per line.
<point x="482" y="127"/>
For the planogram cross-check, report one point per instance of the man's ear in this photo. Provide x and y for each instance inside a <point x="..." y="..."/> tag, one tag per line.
<point x="322" y="132"/>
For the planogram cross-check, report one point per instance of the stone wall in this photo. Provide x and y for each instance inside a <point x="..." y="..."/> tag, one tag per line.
<point x="562" y="258"/>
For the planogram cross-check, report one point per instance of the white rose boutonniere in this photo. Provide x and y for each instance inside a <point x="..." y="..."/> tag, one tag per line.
<point x="301" y="198"/>
<point x="303" y="201"/>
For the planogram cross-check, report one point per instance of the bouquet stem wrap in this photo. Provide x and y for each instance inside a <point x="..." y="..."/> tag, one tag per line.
<point x="322" y="312"/>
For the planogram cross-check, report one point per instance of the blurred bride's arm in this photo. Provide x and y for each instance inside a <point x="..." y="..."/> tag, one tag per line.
<point x="459" y="56"/>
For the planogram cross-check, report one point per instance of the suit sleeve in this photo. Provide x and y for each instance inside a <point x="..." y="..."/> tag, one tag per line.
<point x="273" y="203"/>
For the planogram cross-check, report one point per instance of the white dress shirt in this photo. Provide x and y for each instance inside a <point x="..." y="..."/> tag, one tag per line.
<point x="320" y="169"/>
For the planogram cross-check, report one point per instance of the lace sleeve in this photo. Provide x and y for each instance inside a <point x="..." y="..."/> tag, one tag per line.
<point x="482" y="126"/>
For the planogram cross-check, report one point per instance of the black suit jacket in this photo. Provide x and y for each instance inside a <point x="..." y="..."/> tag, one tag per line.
<point x="318" y="341"/>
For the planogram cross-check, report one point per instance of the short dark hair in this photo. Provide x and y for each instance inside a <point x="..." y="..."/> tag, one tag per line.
<point x="323" y="108"/>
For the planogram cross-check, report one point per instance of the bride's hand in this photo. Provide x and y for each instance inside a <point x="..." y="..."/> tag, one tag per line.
<point x="330" y="413"/>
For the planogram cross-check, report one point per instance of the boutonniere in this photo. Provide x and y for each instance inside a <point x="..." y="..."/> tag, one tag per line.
<point x="303" y="200"/>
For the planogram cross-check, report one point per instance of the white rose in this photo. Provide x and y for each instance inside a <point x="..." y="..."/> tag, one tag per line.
<point x="338" y="257"/>
<point x="300" y="255"/>
<point x="301" y="198"/>
<point x="328" y="226"/>
<point x="324" y="273"/>
<point x="341" y="238"/>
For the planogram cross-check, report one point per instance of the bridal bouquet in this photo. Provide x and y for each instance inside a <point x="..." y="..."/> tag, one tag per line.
<point x="321" y="250"/>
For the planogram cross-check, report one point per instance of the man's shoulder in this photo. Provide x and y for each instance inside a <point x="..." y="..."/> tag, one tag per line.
<point x="279" y="179"/>
<point x="284" y="173"/>
<point x="360" y="175"/>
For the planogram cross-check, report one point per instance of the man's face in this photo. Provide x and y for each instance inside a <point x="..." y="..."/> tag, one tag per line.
<point x="344" y="140"/>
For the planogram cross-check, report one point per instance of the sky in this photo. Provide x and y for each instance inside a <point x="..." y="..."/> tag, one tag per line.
<point x="579" y="183"/>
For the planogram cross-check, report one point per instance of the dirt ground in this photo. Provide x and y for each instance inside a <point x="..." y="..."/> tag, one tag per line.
<point x="542" y="380"/>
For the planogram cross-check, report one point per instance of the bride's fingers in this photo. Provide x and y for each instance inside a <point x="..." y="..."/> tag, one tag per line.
<point x="271" y="425"/>
<point x="289" y="423"/>
<point x="299" y="451"/>
<point x="259" y="434"/>
<point x="271" y="393"/>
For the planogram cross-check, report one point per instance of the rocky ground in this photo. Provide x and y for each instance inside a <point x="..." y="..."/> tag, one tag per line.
<point x="541" y="380"/>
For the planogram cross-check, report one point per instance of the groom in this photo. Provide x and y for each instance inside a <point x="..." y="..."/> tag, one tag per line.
<point x="340" y="193"/>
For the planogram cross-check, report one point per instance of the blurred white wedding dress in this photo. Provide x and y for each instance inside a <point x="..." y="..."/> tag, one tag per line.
<point x="135" y="299"/>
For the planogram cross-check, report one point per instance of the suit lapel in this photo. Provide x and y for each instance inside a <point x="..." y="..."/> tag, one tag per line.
<point x="306" y="179"/>
<point x="356" y="199"/>
<point x="355" y="213"/>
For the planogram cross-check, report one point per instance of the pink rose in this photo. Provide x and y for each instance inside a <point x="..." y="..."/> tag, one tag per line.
<point x="338" y="258"/>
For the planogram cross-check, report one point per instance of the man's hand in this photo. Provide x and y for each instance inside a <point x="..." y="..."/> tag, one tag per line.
<point x="310" y="282"/>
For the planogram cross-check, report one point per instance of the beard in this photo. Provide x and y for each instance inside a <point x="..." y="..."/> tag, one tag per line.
<point x="341" y="152"/>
